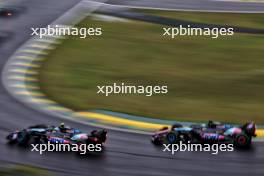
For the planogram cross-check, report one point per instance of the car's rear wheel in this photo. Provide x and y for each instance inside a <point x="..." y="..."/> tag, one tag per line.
<point x="242" y="140"/>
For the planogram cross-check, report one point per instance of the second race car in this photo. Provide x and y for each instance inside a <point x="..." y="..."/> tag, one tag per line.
<point x="213" y="132"/>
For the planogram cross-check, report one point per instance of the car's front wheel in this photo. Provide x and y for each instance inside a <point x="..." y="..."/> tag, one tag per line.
<point x="23" y="137"/>
<point x="173" y="137"/>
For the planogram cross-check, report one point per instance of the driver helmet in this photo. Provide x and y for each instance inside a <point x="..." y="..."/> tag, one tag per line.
<point x="62" y="125"/>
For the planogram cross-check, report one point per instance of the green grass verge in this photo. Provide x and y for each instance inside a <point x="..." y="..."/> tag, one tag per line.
<point x="220" y="79"/>
<point x="23" y="170"/>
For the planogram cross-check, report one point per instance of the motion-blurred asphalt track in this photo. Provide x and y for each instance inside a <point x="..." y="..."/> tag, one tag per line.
<point x="126" y="153"/>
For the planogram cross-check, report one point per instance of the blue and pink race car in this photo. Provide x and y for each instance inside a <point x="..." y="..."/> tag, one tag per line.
<point x="212" y="132"/>
<point x="52" y="134"/>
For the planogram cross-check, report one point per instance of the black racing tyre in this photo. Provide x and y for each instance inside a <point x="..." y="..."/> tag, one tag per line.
<point x="173" y="137"/>
<point x="23" y="137"/>
<point x="242" y="140"/>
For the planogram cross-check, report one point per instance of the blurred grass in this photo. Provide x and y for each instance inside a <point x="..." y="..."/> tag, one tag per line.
<point x="220" y="79"/>
<point x="23" y="170"/>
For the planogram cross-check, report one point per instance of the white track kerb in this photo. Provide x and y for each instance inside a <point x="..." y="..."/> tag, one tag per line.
<point x="20" y="78"/>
